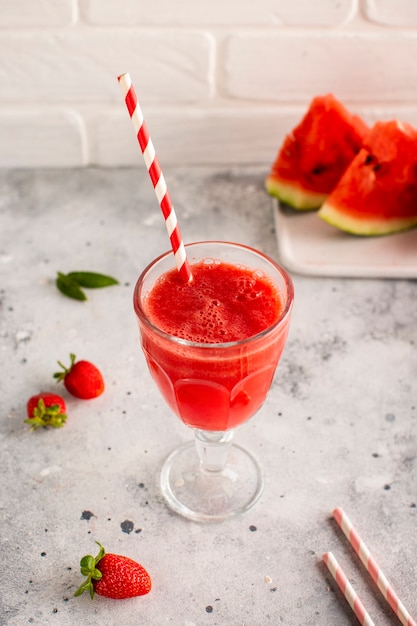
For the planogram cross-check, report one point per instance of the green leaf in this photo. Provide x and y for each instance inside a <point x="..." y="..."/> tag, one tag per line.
<point x="96" y="575"/>
<point x="101" y="552"/>
<point x="92" y="280"/>
<point x="46" y="416"/>
<point x="86" y="586"/>
<point x="69" y="287"/>
<point x="88" y="563"/>
<point x="88" y="568"/>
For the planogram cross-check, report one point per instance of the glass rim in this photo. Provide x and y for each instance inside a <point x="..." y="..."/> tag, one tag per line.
<point x="226" y="344"/>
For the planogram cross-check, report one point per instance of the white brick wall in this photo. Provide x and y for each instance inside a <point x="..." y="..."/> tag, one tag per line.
<point x="219" y="82"/>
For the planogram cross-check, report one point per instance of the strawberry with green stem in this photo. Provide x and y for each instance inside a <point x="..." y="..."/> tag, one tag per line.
<point x="82" y="379"/>
<point x="46" y="409"/>
<point x="113" y="576"/>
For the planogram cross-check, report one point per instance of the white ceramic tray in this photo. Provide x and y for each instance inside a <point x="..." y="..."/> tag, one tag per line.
<point x="307" y="245"/>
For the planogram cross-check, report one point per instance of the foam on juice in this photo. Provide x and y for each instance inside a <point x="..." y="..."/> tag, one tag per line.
<point x="223" y="303"/>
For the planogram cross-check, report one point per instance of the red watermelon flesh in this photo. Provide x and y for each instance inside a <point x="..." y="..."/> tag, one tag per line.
<point x="315" y="154"/>
<point x="377" y="194"/>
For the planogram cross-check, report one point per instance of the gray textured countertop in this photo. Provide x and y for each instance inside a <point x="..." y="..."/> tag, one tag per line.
<point x="338" y="427"/>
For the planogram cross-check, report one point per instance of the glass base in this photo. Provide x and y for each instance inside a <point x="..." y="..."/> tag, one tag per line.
<point x="203" y="495"/>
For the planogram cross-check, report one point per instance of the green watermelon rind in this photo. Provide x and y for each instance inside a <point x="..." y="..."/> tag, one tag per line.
<point x="364" y="227"/>
<point x="293" y="195"/>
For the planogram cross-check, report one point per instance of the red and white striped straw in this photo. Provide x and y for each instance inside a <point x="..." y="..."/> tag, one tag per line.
<point x="156" y="175"/>
<point x="373" y="568"/>
<point x="347" y="589"/>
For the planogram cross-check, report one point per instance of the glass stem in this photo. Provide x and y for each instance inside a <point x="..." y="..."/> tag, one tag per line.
<point x="213" y="449"/>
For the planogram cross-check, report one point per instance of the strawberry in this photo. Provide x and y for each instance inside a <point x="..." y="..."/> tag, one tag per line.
<point x="46" y="409"/>
<point x="82" y="379"/>
<point x="113" y="576"/>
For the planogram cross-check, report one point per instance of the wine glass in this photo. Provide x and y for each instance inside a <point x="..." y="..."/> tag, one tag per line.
<point x="213" y="388"/>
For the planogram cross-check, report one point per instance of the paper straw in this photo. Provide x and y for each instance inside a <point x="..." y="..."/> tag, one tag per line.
<point x="156" y="175"/>
<point x="373" y="568"/>
<point x="347" y="589"/>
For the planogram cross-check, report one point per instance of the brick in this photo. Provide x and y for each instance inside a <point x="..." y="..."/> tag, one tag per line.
<point x="294" y="67"/>
<point x="213" y="137"/>
<point x="320" y="13"/>
<point x="218" y="12"/>
<point x="372" y="114"/>
<point x="42" y="139"/>
<point x="38" y="13"/>
<point x="398" y="13"/>
<point x="195" y="137"/>
<point x="82" y="65"/>
<point x="225" y="136"/>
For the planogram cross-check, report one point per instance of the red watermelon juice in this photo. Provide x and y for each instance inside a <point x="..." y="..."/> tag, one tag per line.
<point x="212" y="345"/>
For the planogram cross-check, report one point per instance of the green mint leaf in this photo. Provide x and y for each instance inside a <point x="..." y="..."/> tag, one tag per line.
<point x="92" y="280"/>
<point x="69" y="287"/>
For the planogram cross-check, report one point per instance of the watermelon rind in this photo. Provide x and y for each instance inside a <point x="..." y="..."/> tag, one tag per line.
<point x="377" y="194"/>
<point x="364" y="227"/>
<point x="293" y="195"/>
<point x="314" y="155"/>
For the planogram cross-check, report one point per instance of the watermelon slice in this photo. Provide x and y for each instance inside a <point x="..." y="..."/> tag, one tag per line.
<point x="377" y="194"/>
<point x="315" y="154"/>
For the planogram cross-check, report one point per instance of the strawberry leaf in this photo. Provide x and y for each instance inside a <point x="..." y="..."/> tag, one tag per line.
<point x="69" y="287"/>
<point x="44" y="416"/>
<point x="88" y="568"/>
<point x="86" y="586"/>
<point x="92" y="280"/>
<point x="60" y="376"/>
